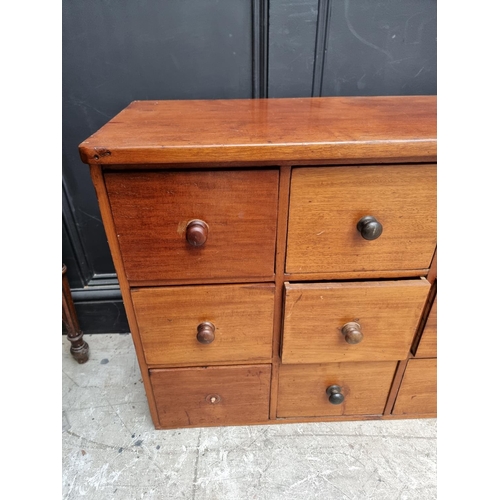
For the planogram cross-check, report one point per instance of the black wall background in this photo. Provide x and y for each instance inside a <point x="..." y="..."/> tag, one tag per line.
<point x="117" y="51"/>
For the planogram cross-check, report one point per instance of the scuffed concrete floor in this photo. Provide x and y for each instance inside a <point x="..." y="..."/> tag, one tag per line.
<point x="112" y="451"/>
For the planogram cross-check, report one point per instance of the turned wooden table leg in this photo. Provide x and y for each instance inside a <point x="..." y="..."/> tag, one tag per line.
<point x="79" y="348"/>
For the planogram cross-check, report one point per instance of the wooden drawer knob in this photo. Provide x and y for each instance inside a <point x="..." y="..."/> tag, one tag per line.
<point x="206" y="333"/>
<point x="335" y="395"/>
<point x="352" y="332"/>
<point x="369" y="227"/>
<point x="196" y="233"/>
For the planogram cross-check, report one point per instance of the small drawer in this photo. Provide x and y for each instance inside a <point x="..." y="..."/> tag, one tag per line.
<point x="195" y="225"/>
<point x="353" y="389"/>
<point x="418" y="392"/>
<point x="218" y="395"/>
<point x="211" y="324"/>
<point x="327" y="203"/>
<point x="352" y="321"/>
<point x="427" y="347"/>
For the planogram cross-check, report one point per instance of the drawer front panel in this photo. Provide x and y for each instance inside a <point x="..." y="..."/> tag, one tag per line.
<point x="212" y="396"/>
<point x="326" y="204"/>
<point x="236" y="323"/>
<point x="387" y="314"/>
<point x="155" y="216"/>
<point x="427" y="347"/>
<point x="364" y="387"/>
<point x="418" y="392"/>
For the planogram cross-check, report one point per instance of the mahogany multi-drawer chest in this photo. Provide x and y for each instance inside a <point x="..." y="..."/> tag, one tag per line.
<point x="277" y="257"/>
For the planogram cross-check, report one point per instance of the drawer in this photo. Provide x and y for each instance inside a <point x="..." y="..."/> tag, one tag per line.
<point x="205" y="324"/>
<point x="418" y="392"/>
<point x="427" y="347"/>
<point x="195" y="225"/>
<point x="320" y="320"/>
<point x="362" y="388"/>
<point x="327" y="203"/>
<point x="219" y="395"/>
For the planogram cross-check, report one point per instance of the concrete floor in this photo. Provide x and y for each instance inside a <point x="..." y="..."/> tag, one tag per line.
<point x="112" y="451"/>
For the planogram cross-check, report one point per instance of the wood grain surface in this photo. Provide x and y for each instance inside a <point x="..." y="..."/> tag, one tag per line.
<point x="396" y="383"/>
<point x="418" y="392"/>
<point x="242" y="315"/>
<point x="277" y="187"/>
<point x="432" y="275"/>
<point x="326" y="204"/>
<point x="427" y="347"/>
<point x="284" y="190"/>
<point x="365" y="386"/>
<point x="152" y="209"/>
<point x="356" y="275"/>
<point x="109" y="227"/>
<point x="184" y="395"/>
<point x="241" y="130"/>
<point x="388" y="312"/>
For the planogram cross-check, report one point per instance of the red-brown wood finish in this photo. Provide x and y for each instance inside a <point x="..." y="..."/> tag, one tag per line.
<point x="152" y="210"/>
<point x="107" y="219"/>
<point x="323" y="128"/>
<point x="388" y="313"/>
<point x="326" y="205"/>
<point x="418" y="391"/>
<point x="365" y="386"/>
<point x="79" y="348"/>
<point x="212" y="395"/>
<point x="241" y="317"/>
<point x="206" y="222"/>
<point x="284" y="189"/>
<point x="427" y="346"/>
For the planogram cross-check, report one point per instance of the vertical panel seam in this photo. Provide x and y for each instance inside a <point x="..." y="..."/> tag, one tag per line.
<point x="260" y="48"/>
<point x="322" y="31"/>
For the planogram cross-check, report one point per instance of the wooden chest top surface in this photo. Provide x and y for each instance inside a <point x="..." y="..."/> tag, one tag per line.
<point x="260" y="130"/>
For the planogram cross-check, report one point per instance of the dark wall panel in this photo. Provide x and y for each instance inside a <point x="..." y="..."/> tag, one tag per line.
<point x="70" y="258"/>
<point x="115" y="52"/>
<point x="102" y="317"/>
<point x="385" y="47"/>
<point x="292" y="44"/>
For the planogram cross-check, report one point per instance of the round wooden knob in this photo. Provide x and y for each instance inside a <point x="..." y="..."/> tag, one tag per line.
<point x="206" y="333"/>
<point x="196" y="233"/>
<point x="369" y="227"/>
<point x="352" y="332"/>
<point x="335" y="395"/>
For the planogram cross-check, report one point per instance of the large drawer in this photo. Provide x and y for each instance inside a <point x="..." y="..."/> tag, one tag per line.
<point x="195" y="225"/>
<point x="327" y="203"/>
<point x="362" y="389"/>
<point x="212" y="396"/>
<point x="320" y="320"/>
<point x="198" y="325"/>
<point x="418" y="391"/>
